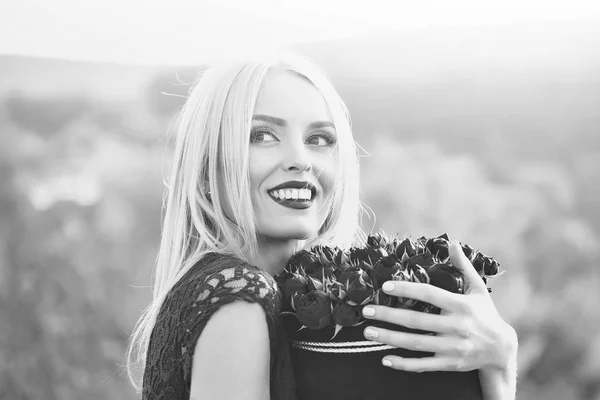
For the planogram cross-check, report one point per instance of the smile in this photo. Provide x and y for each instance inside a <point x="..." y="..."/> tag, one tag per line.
<point x="294" y="194"/>
<point x="289" y="194"/>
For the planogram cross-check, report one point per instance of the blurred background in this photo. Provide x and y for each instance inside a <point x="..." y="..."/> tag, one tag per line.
<point x="489" y="131"/>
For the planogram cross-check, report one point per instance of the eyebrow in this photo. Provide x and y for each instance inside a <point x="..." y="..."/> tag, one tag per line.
<point x="284" y="123"/>
<point x="272" y="120"/>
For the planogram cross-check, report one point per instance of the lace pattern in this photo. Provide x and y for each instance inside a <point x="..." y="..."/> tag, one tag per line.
<point x="212" y="283"/>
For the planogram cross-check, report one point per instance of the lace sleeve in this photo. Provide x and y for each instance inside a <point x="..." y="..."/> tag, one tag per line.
<point x="185" y="313"/>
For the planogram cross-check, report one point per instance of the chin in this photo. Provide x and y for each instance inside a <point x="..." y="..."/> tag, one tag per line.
<point x="295" y="233"/>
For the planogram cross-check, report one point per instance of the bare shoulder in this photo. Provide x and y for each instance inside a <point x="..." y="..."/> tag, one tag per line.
<point x="232" y="355"/>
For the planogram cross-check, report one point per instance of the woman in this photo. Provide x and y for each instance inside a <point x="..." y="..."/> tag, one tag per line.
<point x="265" y="164"/>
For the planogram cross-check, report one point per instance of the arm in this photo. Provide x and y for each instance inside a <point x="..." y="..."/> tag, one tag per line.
<point x="231" y="357"/>
<point x="499" y="382"/>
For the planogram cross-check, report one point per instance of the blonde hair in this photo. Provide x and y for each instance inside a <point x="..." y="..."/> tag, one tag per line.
<point x="212" y="142"/>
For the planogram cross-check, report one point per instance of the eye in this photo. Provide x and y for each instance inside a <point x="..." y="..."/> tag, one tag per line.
<point x="322" y="139"/>
<point x="262" y="135"/>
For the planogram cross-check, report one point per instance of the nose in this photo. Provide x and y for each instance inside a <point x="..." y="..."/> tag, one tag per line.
<point x="296" y="158"/>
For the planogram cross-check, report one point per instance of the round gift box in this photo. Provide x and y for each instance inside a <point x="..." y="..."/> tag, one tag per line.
<point x="349" y="367"/>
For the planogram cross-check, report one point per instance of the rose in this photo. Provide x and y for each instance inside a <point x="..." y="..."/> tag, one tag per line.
<point x="343" y="267"/>
<point x="383" y="299"/>
<point x="366" y="267"/>
<point x="304" y="259"/>
<point x="385" y="268"/>
<point x="358" y="287"/>
<point x="438" y="246"/>
<point x="314" y="284"/>
<point x="325" y="254"/>
<point x="323" y="271"/>
<point x="446" y="277"/>
<point x="367" y="254"/>
<point x="425" y="260"/>
<point x="337" y="291"/>
<point x="346" y="315"/>
<point x="347" y="274"/>
<point x="417" y="273"/>
<point x="406" y="247"/>
<point x="291" y="283"/>
<point x="313" y="309"/>
<point x="376" y="240"/>
<point x="485" y="265"/>
<point x="413" y="273"/>
<point x="420" y="244"/>
<point x="469" y="251"/>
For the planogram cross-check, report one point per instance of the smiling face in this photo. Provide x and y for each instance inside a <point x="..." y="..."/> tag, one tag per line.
<point x="293" y="147"/>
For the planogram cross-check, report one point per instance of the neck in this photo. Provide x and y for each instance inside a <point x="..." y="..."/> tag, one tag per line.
<point x="273" y="254"/>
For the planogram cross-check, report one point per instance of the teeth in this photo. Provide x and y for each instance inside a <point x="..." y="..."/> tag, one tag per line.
<point x="304" y="194"/>
<point x="292" y="194"/>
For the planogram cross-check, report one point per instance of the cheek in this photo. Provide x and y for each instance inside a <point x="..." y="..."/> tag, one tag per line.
<point x="259" y="169"/>
<point x="328" y="173"/>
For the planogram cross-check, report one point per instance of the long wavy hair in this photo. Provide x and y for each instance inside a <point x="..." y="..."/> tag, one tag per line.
<point x="212" y="142"/>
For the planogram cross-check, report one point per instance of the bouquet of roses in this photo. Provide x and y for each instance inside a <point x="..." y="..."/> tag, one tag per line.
<point x="327" y="287"/>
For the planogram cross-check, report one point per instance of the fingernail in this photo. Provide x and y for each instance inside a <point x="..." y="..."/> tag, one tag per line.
<point x="368" y="311"/>
<point x="387" y="286"/>
<point x="371" y="333"/>
<point x="386" y="363"/>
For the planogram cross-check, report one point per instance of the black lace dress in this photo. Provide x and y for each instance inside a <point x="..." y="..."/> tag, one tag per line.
<point x="213" y="282"/>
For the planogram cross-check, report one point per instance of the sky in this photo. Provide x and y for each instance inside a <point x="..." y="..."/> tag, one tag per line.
<point x="192" y="32"/>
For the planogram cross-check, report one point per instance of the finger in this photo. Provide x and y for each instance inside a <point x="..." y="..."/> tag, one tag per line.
<point x="412" y="341"/>
<point x="460" y="261"/>
<point x="412" y="319"/>
<point x="427" y="293"/>
<point x="424" y="364"/>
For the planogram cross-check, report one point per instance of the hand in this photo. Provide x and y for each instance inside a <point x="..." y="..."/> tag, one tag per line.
<point x="469" y="332"/>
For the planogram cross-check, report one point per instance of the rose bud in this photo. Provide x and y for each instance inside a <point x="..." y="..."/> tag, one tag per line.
<point x="313" y="284"/>
<point x="337" y="292"/>
<point x="406" y="247"/>
<point x="305" y="260"/>
<point x="343" y="267"/>
<point x="417" y="274"/>
<point x="491" y="267"/>
<point x="326" y="253"/>
<point x="291" y="283"/>
<point x="478" y="262"/>
<point x="384" y="299"/>
<point x="386" y="267"/>
<point x="438" y="247"/>
<point x="358" y="285"/>
<point x="313" y="310"/>
<point x="295" y="298"/>
<point x="446" y="277"/>
<point x="413" y="274"/>
<point x="346" y="315"/>
<point x="485" y="265"/>
<point x="420" y="244"/>
<point x="366" y="267"/>
<point x="469" y="251"/>
<point x="376" y="240"/>
<point x="323" y="272"/>
<point x="424" y="260"/>
<point x="346" y="275"/>
<point x="340" y="257"/>
<point x="367" y="254"/>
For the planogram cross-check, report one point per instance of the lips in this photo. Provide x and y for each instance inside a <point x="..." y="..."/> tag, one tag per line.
<point x="294" y="194"/>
